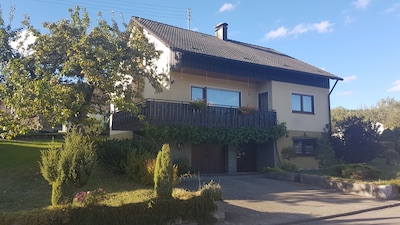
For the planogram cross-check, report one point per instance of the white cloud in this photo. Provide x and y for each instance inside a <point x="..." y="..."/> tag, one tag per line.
<point x="348" y="20"/>
<point x="361" y="4"/>
<point x="345" y="93"/>
<point x="226" y="7"/>
<point x="350" y="78"/>
<point x="395" y="87"/>
<point x="273" y="34"/>
<point x="393" y="8"/>
<point x="321" y="27"/>
<point x="21" y="45"/>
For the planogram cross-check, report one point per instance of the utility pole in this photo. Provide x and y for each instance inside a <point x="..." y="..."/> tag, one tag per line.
<point x="188" y="17"/>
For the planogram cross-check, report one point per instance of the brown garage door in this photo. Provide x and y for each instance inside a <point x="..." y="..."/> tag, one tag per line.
<point x="208" y="158"/>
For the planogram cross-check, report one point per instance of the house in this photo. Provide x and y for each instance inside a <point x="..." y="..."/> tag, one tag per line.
<point x="230" y="74"/>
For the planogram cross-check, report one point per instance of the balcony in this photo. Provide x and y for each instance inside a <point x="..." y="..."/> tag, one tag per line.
<point x="183" y="113"/>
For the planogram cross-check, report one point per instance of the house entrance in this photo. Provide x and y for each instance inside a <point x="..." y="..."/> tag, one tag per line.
<point x="208" y="158"/>
<point x="263" y="101"/>
<point x="246" y="158"/>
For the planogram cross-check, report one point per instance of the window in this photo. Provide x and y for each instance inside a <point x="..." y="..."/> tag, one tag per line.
<point x="217" y="96"/>
<point x="302" y="103"/>
<point x="304" y="146"/>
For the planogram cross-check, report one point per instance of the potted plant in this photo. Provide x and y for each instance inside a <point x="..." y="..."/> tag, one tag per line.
<point x="247" y="109"/>
<point x="199" y="104"/>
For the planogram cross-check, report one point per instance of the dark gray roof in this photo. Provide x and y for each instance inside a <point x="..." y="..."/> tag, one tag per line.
<point x="179" y="39"/>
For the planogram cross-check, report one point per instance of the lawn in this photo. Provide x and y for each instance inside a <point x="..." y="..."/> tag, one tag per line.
<point x="22" y="186"/>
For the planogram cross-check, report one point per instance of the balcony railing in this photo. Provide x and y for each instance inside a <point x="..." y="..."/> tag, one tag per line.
<point x="183" y="113"/>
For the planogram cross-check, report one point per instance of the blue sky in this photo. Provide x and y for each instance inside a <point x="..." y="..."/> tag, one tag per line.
<point x="358" y="40"/>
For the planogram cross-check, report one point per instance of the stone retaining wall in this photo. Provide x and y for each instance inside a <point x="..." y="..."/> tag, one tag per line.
<point x="364" y="189"/>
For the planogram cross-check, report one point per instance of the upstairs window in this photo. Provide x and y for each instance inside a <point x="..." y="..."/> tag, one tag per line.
<point x="302" y="103"/>
<point x="217" y="96"/>
<point x="304" y="146"/>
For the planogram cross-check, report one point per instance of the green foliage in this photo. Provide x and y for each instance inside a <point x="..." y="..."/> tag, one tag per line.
<point x="355" y="140"/>
<point x="385" y="111"/>
<point x="89" y="198"/>
<point x="114" y="153"/>
<point x="391" y="156"/>
<point x="61" y="192"/>
<point x="75" y="68"/>
<point x="288" y="153"/>
<point x="234" y="136"/>
<point x="140" y="166"/>
<point x="68" y="167"/>
<point x="272" y="169"/>
<point x="94" y="126"/>
<point x="288" y="167"/>
<point x="10" y="127"/>
<point x="163" y="174"/>
<point x="196" y="209"/>
<point x="359" y="171"/>
<point x="211" y="190"/>
<point x="324" y="153"/>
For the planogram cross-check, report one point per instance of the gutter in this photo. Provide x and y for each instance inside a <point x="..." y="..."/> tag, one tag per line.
<point x="329" y="106"/>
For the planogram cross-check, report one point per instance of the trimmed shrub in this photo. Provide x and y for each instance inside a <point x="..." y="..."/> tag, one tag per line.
<point x="140" y="167"/>
<point x="288" y="167"/>
<point x="114" y="154"/>
<point x="68" y="167"/>
<point x="324" y="153"/>
<point x="158" y="211"/>
<point x="288" y="153"/>
<point x="359" y="171"/>
<point x="163" y="174"/>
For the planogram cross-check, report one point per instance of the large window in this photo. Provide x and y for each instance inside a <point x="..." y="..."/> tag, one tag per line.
<point x="302" y="103"/>
<point x="304" y="146"/>
<point x="217" y="96"/>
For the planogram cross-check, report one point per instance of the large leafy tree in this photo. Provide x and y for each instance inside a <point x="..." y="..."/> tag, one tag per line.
<point x="356" y="140"/>
<point x="8" y="124"/>
<point x="75" y="69"/>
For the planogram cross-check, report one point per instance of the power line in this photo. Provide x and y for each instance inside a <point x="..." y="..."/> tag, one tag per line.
<point x="142" y="9"/>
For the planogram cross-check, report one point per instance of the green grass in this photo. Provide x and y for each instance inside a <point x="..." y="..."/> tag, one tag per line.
<point x="387" y="171"/>
<point x="22" y="186"/>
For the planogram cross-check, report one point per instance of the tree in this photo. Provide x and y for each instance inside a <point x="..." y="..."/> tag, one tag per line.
<point x="163" y="173"/>
<point x="74" y="70"/>
<point x="356" y="140"/>
<point x="9" y="126"/>
<point x="68" y="167"/>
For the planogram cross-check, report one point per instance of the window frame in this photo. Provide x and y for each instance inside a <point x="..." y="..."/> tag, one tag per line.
<point x="304" y="142"/>
<point x="302" y="100"/>
<point x="204" y="95"/>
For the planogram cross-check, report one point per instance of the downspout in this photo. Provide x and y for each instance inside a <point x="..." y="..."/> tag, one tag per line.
<point x="329" y="106"/>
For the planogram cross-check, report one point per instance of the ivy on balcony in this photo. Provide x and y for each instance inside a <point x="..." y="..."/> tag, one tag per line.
<point x="224" y="136"/>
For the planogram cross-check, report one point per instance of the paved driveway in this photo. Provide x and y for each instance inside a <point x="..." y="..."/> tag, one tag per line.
<point x="253" y="199"/>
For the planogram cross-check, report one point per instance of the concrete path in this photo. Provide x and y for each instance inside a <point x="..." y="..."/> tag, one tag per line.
<point x="254" y="200"/>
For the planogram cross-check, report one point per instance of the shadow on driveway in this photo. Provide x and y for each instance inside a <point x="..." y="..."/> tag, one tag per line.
<point x="253" y="199"/>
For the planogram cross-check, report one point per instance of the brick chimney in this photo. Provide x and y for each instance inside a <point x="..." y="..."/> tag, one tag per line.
<point x="221" y="31"/>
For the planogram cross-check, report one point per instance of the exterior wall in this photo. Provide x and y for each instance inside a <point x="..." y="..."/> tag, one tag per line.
<point x="300" y="161"/>
<point x="180" y="90"/>
<point x="281" y="101"/>
<point x="298" y="124"/>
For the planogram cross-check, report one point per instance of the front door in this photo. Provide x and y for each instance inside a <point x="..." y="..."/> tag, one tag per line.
<point x="246" y="158"/>
<point x="263" y="101"/>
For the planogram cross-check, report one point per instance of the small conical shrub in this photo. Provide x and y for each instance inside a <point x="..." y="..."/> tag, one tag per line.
<point x="163" y="173"/>
<point x="68" y="167"/>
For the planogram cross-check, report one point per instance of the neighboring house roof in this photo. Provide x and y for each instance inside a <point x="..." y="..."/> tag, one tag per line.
<point x="195" y="43"/>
